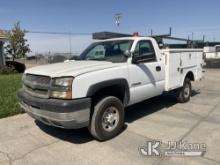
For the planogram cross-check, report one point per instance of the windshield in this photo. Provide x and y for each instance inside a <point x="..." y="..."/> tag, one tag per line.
<point x="113" y="51"/>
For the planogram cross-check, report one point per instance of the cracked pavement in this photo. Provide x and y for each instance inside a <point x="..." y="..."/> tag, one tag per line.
<point x="24" y="141"/>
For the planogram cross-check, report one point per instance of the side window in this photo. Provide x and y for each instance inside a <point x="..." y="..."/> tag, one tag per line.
<point x="145" y="51"/>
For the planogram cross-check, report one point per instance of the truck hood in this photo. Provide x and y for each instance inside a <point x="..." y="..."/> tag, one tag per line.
<point x="71" y="68"/>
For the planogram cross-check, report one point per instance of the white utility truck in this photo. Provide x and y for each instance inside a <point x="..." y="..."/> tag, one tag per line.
<point x="212" y="54"/>
<point x="110" y="75"/>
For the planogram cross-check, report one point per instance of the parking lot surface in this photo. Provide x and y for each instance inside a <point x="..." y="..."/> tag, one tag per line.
<point x="24" y="141"/>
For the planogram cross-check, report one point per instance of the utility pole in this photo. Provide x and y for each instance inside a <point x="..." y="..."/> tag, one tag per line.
<point x="151" y="32"/>
<point x="203" y="38"/>
<point x="192" y="35"/>
<point x="213" y="39"/>
<point x="170" y="31"/>
<point x="118" y="17"/>
<point x="70" y="44"/>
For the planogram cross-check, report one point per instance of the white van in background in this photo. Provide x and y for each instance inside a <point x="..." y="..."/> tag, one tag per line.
<point x="212" y="54"/>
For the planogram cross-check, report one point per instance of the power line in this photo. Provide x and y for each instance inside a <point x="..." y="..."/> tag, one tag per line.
<point x="57" y="33"/>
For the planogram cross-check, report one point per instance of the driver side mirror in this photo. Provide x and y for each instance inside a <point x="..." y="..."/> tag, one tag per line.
<point x="146" y="57"/>
<point x="135" y="58"/>
<point x="127" y="53"/>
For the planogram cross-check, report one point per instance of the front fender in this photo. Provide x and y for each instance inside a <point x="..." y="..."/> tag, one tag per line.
<point x="107" y="83"/>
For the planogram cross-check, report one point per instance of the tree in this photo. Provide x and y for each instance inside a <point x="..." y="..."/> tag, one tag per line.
<point x="17" y="46"/>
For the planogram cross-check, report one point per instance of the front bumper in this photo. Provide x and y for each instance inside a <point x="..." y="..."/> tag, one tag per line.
<point x="69" y="114"/>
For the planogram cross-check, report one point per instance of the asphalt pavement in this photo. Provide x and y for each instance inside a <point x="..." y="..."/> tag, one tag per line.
<point x="24" y="141"/>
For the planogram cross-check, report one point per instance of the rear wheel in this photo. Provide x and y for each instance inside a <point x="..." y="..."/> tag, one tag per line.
<point x="108" y="118"/>
<point x="183" y="94"/>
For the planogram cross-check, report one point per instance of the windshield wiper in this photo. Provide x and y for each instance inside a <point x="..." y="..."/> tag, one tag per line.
<point x="76" y="58"/>
<point x="96" y="59"/>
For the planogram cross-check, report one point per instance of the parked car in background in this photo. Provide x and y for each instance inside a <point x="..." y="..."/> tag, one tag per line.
<point x="56" y="59"/>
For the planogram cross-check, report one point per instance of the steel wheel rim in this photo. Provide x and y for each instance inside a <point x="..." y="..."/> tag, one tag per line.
<point x="187" y="91"/>
<point x="110" y="119"/>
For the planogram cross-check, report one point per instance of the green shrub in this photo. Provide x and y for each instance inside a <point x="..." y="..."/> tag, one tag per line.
<point x="7" y="70"/>
<point x="19" y="67"/>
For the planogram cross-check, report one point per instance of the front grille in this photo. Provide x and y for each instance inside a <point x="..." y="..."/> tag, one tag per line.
<point x="44" y="80"/>
<point x="36" y="85"/>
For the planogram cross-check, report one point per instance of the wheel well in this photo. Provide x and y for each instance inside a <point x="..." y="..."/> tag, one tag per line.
<point x="118" y="91"/>
<point x="190" y="75"/>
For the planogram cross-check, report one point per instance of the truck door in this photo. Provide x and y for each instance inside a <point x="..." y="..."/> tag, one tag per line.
<point x="147" y="74"/>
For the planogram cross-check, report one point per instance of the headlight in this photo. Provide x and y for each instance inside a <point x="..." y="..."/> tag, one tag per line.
<point x="62" y="88"/>
<point x="63" y="82"/>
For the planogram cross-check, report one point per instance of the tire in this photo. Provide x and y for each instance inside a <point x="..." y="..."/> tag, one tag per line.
<point x="183" y="94"/>
<point x="107" y="119"/>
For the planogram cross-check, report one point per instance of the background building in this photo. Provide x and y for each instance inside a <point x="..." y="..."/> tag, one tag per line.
<point x="3" y="39"/>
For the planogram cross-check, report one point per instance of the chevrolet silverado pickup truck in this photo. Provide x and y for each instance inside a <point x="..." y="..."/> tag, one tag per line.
<point x="109" y="75"/>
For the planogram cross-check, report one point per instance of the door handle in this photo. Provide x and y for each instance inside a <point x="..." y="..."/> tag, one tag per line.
<point x="158" y="68"/>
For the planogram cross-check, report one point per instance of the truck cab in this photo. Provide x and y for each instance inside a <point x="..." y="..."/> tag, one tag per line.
<point x="109" y="75"/>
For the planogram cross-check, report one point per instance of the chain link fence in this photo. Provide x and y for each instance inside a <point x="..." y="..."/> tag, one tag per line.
<point x="53" y="47"/>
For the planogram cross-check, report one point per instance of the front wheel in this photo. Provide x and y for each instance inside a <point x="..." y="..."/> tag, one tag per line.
<point x="184" y="93"/>
<point x="107" y="119"/>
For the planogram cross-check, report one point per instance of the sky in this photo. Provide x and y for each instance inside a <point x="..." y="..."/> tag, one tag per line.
<point x="87" y="16"/>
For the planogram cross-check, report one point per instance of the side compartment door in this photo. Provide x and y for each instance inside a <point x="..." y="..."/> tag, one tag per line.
<point x="174" y="65"/>
<point x="147" y="73"/>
